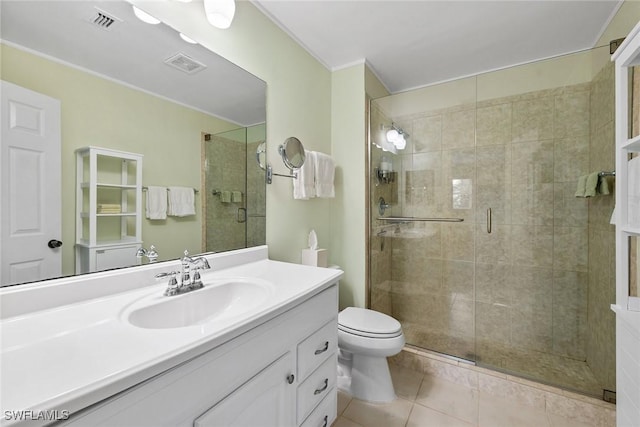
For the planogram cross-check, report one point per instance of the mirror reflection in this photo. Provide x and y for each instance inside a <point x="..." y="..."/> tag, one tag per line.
<point x="133" y="88"/>
<point x="634" y="266"/>
<point x="292" y="152"/>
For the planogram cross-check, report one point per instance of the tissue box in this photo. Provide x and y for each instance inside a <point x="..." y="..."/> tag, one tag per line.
<point x="315" y="257"/>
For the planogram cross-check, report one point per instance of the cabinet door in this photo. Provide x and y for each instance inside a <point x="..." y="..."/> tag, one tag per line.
<point x="266" y="400"/>
<point x="116" y="257"/>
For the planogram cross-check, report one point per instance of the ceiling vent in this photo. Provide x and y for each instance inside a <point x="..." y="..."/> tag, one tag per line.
<point x="185" y="63"/>
<point x="104" y="20"/>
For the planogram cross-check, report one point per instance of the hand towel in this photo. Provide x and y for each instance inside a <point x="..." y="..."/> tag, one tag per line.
<point x="325" y="172"/>
<point x="181" y="201"/>
<point x="225" y="196"/>
<point x="304" y="186"/>
<point x="603" y="186"/>
<point x="582" y="182"/>
<point x="236" y="196"/>
<point x="156" y="206"/>
<point x="591" y="186"/>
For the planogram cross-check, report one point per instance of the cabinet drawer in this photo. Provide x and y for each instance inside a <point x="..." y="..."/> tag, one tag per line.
<point x="316" y="348"/>
<point x="316" y="387"/>
<point x="325" y="414"/>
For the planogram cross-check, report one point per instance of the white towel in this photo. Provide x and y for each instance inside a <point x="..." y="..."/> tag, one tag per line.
<point x="156" y="206"/>
<point x="325" y="171"/>
<point x="304" y="186"/>
<point x="181" y="201"/>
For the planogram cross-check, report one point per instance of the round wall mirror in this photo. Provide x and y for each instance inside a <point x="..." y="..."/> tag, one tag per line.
<point x="261" y="154"/>
<point x="292" y="152"/>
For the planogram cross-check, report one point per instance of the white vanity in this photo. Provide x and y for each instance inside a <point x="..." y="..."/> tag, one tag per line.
<point x="255" y="347"/>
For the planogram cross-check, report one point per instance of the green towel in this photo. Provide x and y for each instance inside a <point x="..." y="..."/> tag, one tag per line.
<point x="591" y="186"/>
<point x="603" y="188"/>
<point x="582" y="181"/>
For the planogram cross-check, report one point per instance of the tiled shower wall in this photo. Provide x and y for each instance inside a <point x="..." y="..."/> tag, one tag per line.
<point x="520" y="293"/>
<point x="226" y="170"/>
<point x="602" y="274"/>
<point x="230" y="165"/>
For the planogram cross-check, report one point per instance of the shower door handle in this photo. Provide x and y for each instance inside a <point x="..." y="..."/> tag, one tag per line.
<point x="489" y="220"/>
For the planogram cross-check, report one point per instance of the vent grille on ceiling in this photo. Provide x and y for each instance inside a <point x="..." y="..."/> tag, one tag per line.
<point x="104" y="20"/>
<point x="185" y="63"/>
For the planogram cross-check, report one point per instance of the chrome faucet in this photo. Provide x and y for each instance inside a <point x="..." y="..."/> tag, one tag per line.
<point x="151" y="254"/>
<point x="188" y="282"/>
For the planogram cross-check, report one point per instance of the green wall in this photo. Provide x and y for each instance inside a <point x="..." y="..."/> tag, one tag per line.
<point x="298" y="104"/>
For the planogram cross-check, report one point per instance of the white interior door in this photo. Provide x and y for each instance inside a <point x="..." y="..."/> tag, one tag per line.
<point x="29" y="186"/>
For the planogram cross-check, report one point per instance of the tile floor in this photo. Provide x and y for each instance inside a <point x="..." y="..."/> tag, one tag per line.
<point x="425" y="400"/>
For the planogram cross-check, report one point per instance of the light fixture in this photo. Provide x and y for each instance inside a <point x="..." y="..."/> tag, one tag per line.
<point x="397" y="136"/>
<point x="144" y="16"/>
<point x="220" y="12"/>
<point x="188" y="39"/>
<point x="392" y="135"/>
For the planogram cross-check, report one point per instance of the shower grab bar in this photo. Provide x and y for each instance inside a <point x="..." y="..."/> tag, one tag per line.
<point x="489" y="220"/>
<point x="414" y="219"/>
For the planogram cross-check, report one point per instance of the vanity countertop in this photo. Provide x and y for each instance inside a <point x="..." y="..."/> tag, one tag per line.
<point x="68" y="357"/>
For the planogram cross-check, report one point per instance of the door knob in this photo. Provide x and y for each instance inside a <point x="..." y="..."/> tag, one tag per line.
<point x="53" y="243"/>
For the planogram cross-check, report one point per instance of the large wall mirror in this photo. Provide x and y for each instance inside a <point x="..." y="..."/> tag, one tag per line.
<point x="130" y="86"/>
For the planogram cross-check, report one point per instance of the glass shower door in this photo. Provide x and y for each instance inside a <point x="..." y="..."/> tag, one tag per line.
<point x="423" y="271"/>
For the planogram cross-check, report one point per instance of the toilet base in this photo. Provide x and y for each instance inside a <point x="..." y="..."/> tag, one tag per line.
<point x="366" y="378"/>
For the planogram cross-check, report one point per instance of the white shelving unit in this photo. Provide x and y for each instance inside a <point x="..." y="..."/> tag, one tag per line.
<point x="627" y="306"/>
<point x="108" y="208"/>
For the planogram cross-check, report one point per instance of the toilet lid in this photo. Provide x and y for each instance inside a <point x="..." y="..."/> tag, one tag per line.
<point x="368" y="323"/>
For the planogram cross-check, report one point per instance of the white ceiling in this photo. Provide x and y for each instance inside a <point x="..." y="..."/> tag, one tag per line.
<point x="410" y="44"/>
<point x="133" y="52"/>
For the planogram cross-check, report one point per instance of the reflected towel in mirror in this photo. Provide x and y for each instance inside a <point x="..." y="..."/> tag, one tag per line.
<point x="181" y="201"/>
<point x="156" y="206"/>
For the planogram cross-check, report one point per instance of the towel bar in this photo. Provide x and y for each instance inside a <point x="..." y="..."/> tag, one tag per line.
<point x="414" y="219"/>
<point x="145" y="188"/>
<point x="605" y="173"/>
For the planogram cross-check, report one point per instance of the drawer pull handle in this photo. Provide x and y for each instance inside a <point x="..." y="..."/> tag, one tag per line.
<point x="290" y="378"/>
<point x="322" y="350"/>
<point x="323" y="388"/>
<point x="326" y="420"/>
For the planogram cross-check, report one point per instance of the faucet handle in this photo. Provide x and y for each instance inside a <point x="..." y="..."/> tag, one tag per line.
<point x="152" y="254"/>
<point x="172" y="286"/>
<point x="197" y="280"/>
<point x="166" y="274"/>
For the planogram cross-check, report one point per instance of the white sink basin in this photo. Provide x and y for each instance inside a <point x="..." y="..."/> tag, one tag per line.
<point x="217" y="300"/>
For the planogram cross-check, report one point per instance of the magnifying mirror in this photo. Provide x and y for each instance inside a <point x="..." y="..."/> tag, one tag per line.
<point x="261" y="154"/>
<point x="292" y="152"/>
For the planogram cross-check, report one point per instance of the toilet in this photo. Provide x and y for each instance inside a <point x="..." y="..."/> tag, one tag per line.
<point x="365" y="339"/>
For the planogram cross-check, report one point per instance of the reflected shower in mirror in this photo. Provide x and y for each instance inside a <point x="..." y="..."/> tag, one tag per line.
<point x="235" y="190"/>
<point x="130" y="86"/>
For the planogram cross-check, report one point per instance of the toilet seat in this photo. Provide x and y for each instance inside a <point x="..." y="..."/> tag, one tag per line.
<point x="368" y="323"/>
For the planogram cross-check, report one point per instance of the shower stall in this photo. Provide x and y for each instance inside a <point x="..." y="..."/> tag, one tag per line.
<point x="235" y="194"/>
<point x="478" y="244"/>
